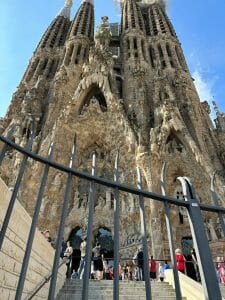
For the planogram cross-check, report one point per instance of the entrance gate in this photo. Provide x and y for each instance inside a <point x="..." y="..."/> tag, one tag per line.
<point x="190" y="202"/>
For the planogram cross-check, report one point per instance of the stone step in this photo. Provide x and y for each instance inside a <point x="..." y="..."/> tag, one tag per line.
<point x="109" y="297"/>
<point x="103" y="290"/>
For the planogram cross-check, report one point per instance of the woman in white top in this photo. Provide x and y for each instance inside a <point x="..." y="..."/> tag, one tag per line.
<point x="161" y="272"/>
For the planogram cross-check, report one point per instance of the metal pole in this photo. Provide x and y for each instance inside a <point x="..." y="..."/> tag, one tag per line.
<point x="6" y="146"/>
<point x="26" y="258"/>
<point x="144" y="239"/>
<point x="170" y="237"/>
<point x="15" y="191"/>
<point x="116" y="234"/>
<point x="204" y="258"/>
<point x="51" y="293"/>
<point x="215" y="199"/>
<point x="89" y="233"/>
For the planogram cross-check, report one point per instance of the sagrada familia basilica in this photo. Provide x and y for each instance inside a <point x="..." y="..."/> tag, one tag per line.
<point x="124" y="87"/>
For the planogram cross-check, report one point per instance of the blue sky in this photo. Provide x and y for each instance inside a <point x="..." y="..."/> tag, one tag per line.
<point x="200" y="26"/>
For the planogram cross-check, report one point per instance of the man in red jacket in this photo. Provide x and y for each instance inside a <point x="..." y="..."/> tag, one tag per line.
<point x="180" y="261"/>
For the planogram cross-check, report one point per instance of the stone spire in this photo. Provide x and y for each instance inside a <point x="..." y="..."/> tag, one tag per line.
<point x="65" y="11"/>
<point x="220" y="120"/>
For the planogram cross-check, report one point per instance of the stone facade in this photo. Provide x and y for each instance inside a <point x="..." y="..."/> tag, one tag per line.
<point x="142" y="101"/>
<point x="12" y="253"/>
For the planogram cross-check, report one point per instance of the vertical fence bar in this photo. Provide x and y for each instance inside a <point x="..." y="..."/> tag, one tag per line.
<point x="15" y="190"/>
<point x="30" y="239"/>
<point x="87" y="267"/>
<point x="170" y="237"/>
<point x="215" y="199"/>
<point x="5" y="147"/>
<point x="51" y="294"/>
<point x="144" y="239"/>
<point x="116" y="234"/>
<point x="204" y="258"/>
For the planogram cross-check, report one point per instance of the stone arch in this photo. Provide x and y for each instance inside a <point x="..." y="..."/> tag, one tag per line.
<point x="94" y="95"/>
<point x="95" y="84"/>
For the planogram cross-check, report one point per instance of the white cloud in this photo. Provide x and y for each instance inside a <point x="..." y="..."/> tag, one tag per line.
<point x="205" y="89"/>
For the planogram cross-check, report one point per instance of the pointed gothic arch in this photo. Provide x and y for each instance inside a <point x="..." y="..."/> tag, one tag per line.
<point x="97" y="86"/>
<point x="94" y="94"/>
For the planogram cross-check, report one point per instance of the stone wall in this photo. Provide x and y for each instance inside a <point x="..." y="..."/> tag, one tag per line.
<point x="12" y="253"/>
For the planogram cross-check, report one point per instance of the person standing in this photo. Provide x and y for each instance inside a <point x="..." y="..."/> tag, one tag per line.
<point x="140" y="263"/>
<point x="152" y="267"/>
<point x="98" y="264"/>
<point x="63" y="248"/>
<point x="161" y="272"/>
<point x="83" y="246"/>
<point x="166" y="265"/>
<point x="221" y="271"/>
<point x="68" y="254"/>
<point x="180" y="260"/>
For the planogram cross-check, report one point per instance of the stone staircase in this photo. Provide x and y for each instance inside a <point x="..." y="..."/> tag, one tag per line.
<point x="103" y="290"/>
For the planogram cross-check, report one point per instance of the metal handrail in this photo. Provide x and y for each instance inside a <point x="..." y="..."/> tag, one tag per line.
<point x="190" y="201"/>
<point x="43" y="282"/>
<point x="106" y="182"/>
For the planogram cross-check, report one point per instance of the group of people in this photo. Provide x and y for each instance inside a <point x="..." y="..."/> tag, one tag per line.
<point x="100" y="269"/>
<point x="154" y="269"/>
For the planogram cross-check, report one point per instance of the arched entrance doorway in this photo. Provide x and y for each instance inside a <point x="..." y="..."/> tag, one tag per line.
<point x="104" y="237"/>
<point x="76" y="238"/>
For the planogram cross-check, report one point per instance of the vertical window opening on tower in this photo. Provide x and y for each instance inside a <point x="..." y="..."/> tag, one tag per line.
<point x="141" y="25"/>
<point x="90" y="24"/>
<point x="33" y="69"/>
<point x="161" y="55"/>
<point x="69" y="55"/>
<point x="132" y="15"/>
<point x="169" y="53"/>
<point x="126" y="16"/>
<point x="135" y="43"/>
<point x="51" y="71"/>
<point x="152" y="56"/>
<point x="152" y="22"/>
<point x="43" y="66"/>
<point x="143" y="49"/>
<point x="78" y="54"/>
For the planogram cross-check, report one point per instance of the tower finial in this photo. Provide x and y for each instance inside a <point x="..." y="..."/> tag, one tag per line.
<point x="216" y="109"/>
<point x="65" y="11"/>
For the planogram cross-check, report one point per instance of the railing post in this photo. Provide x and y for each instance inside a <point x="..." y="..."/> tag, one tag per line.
<point x="116" y="234"/>
<point x="15" y="190"/>
<point x="32" y="230"/>
<point x="201" y="245"/>
<point x="170" y="237"/>
<point x="87" y="267"/>
<point x="52" y="287"/>
<point x="144" y="239"/>
<point x="216" y="202"/>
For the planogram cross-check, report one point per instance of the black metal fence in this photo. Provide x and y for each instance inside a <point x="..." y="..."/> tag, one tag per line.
<point x="194" y="209"/>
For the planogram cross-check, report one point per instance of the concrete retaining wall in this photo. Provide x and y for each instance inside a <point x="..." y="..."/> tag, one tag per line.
<point x="11" y="255"/>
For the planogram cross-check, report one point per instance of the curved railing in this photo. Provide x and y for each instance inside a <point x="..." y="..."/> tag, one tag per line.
<point x="194" y="208"/>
